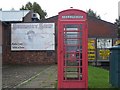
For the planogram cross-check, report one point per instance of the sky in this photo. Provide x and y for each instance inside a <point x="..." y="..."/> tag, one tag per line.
<point x="107" y="9"/>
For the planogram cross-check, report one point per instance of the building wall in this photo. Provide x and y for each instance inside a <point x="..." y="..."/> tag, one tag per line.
<point x="24" y="57"/>
<point x="27" y="18"/>
<point x="97" y="29"/>
<point x="1" y="37"/>
<point x="0" y="33"/>
<point x="101" y="29"/>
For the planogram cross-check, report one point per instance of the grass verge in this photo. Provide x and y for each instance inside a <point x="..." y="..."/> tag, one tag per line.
<point x="98" y="77"/>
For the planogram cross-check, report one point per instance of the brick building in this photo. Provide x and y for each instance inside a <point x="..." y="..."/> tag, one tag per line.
<point x="99" y="30"/>
<point x="21" y="57"/>
<point x="0" y="37"/>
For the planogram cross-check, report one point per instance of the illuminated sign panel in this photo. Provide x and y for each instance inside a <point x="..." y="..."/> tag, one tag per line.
<point x="32" y="36"/>
<point x="71" y="17"/>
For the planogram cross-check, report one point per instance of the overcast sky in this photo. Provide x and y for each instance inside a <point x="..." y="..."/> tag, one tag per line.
<point x="107" y="9"/>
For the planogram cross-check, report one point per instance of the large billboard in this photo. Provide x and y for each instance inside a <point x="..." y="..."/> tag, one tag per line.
<point x="32" y="36"/>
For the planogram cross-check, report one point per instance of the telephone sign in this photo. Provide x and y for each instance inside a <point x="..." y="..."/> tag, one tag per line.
<point x="72" y="49"/>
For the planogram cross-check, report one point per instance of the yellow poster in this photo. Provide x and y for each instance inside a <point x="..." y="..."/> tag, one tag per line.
<point x="104" y="54"/>
<point x="91" y="49"/>
<point x="117" y="42"/>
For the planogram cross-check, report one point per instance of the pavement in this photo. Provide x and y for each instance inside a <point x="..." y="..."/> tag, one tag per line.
<point x="0" y="71"/>
<point x="29" y="76"/>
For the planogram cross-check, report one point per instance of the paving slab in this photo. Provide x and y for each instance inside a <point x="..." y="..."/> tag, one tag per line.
<point x="0" y="71"/>
<point x="15" y="76"/>
<point x="45" y="79"/>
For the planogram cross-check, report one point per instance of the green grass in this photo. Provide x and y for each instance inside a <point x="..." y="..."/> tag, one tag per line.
<point x="98" y="78"/>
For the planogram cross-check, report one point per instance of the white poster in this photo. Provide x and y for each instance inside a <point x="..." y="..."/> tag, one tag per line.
<point x="104" y="43"/>
<point x="32" y="36"/>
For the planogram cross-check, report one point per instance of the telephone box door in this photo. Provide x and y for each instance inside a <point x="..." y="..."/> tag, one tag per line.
<point x="72" y="54"/>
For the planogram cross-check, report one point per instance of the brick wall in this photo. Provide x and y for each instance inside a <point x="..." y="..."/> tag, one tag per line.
<point x="24" y="57"/>
<point x="28" y="17"/>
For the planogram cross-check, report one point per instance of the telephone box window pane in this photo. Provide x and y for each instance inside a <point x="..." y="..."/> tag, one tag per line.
<point x="72" y="56"/>
<point x="80" y="74"/>
<point x="72" y="48"/>
<point x="72" y="41"/>
<point x="80" y="42"/>
<point x="71" y="34"/>
<point x="72" y="63"/>
<point x="71" y="27"/>
<point x="72" y="73"/>
<point x="72" y="69"/>
<point x="80" y="70"/>
<point x="80" y="34"/>
<point x="80" y="62"/>
<point x="80" y="26"/>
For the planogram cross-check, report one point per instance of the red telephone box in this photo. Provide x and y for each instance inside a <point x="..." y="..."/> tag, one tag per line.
<point x="72" y="49"/>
